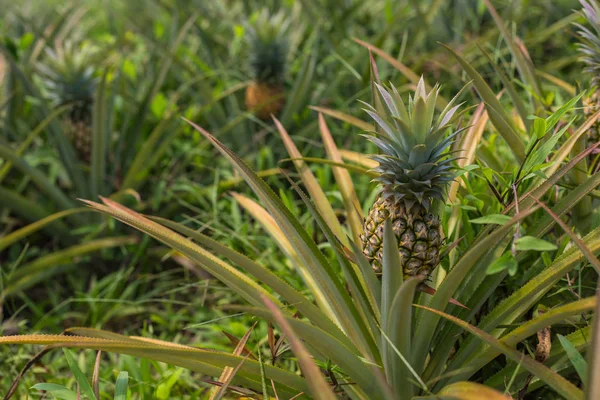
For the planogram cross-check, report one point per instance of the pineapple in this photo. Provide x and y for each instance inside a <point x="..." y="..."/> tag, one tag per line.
<point x="589" y="47"/>
<point x="414" y="170"/>
<point x="69" y="79"/>
<point x="268" y="56"/>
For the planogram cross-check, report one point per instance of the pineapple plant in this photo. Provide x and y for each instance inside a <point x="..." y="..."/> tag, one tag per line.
<point x="268" y="57"/>
<point x="414" y="170"/>
<point x="589" y="47"/>
<point x="69" y="79"/>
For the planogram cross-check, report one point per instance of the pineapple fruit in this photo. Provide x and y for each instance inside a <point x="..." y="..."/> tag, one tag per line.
<point x="69" y="80"/>
<point x="414" y="170"/>
<point x="589" y="47"/>
<point x="268" y="57"/>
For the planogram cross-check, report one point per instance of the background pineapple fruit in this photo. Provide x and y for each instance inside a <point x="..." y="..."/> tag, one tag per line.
<point x="414" y="170"/>
<point x="69" y="79"/>
<point x="589" y="47"/>
<point x="268" y="57"/>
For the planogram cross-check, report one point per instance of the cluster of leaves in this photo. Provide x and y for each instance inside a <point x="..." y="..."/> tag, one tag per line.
<point x="524" y="169"/>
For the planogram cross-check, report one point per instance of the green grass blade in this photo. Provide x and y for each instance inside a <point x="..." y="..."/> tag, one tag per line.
<point x="58" y="391"/>
<point x="84" y="385"/>
<point x="576" y="359"/>
<point x="121" y="386"/>
<point x="267" y="221"/>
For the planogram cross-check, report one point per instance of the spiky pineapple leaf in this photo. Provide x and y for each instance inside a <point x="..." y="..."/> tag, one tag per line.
<point x="551" y="378"/>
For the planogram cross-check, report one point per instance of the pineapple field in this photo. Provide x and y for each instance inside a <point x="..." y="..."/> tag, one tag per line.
<point x="300" y="199"/>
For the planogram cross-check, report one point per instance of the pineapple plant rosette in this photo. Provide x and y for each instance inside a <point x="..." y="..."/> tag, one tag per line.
<point x="414" y="170"/>
<point x="589" y="48"/>
<point x="267" y="38"/>
<point x="69" y="79"/>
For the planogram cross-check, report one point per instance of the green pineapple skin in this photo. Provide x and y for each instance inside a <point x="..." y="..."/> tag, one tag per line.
<point x="418" y="233"/>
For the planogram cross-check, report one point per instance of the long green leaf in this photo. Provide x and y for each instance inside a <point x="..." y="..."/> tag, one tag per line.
<point x="316" y="382"/>
<point x="344" y="182"/>
<point x="314" y="260"/>
<point x="399" y="331"/>
<point x="59" y="198"/>
<point x="265" y="276"/>
<point x="100" y="136"/>
<point x="238" y="281"/>
<point x="495" y="110"/>
<point x="391" y="282"/>
<point x="310" y="182"/>
<point x="121" y="386"/>
<point x="359" y="123"/>
<point x="50" y="264"/>
<point x="32" y="135"/>
<point x="512" y="91"/>
<point x="204" y="361"/>
<point x="27" y="230"/>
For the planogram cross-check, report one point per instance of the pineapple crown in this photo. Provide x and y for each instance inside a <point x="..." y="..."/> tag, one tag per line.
<point x="589" y="46"/>
<point x="414" y="165"/>
<point x="68" y="75"/>
<point x="267" y="36"/>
